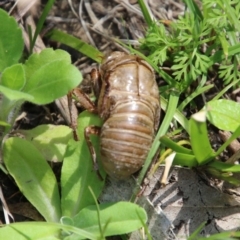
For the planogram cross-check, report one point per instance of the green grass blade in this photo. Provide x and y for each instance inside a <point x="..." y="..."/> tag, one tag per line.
<point x="174" y="146"/>
<point x="145" y="12"/>
<point x="231" y="235"/>
<point x="223" y="91"/>
<point x="77" y="44"/>
<point x="193" y="7"/>
<point x="219" y="55"/>
<point x="178" y="116"/>
<point x="193" y="95"/>
<point x="41" y="21"/>
<point x="195" y="234"/>
<point x="235" y="135"/>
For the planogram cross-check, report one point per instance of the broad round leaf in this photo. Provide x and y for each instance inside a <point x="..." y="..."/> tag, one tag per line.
<point x="77" y="170"/>
<point x="50" y="75"/>
<point x="29" y="230"/>
<point x="115" y="218"/>
<point x="50" y="140"/>
<point x="52" y="81"/>
<point x="11" y="41"/>
<point x="38" y="60"/>
<point x="33" y="176"/>
<point x="40" y="230"/>
<point x="224" y="114"/>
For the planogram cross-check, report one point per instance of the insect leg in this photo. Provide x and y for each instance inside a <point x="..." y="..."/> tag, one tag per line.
<point x="87" y="132"/>
<point x="73" y="119"/>
<point x="85" y="101"/>
<point x="96" y="82"/>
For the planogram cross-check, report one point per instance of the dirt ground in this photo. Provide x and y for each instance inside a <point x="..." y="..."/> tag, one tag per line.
<point x="188" y="199"/>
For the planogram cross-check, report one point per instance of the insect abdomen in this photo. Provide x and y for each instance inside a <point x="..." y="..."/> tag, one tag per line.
<point x="126" y="137"/>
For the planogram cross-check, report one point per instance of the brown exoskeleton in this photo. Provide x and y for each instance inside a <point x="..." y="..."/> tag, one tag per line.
<point x="128" y="102"/>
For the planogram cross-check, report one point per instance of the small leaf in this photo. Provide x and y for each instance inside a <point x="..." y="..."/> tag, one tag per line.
<point x="119" y="218"/>
<point x="13" y="77"/>
<point x="77" y="170"/>
<point x="33" y="176"/>
<point x="224" y="114"/>
<point x="11" y="41"/>
<point x="50" y="140"/>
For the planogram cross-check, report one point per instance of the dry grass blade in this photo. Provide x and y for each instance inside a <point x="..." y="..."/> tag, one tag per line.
<point x="91" y="14"/>
<point x="6" y="211"/>
<point x="84" y="24"/>
<point x="72" y="8"/>
<point x="108" y="15"/>
<point x="129" y="7"/>
<point x="24" y="6"/>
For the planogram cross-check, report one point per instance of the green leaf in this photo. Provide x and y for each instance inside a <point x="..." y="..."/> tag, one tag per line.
<point x="15" y="95"/>
<point x="41" y="20"/>
<point x="145" y="12"/>
<point x="50" y="75"/>
<point x="197" y="231"/>
<point x="199" y="138"/>
<point x="224" y="114"/>
<point x="11" y="41"/>
<point x="77" y="44"/>
<point x="50" y="140"/>
<point x="119" y="218"/>
<point x="226" y="235"/>
<point x="40" y="230"/>
<point x="29" y="230"/>
<point x="193" y="7"/>
<point x="33" y="176"/>
<point x="38" y="60"/>
<point x="5" y="124"/>
<point x="224" y="167"/>
<point x="185" y="160"/>
<point x="175" y="146"/>
<point x="234" y="135"/>
<point x="67" y="221"/>
<point x="13" y="77"/>
<point x="77" y="170"/>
